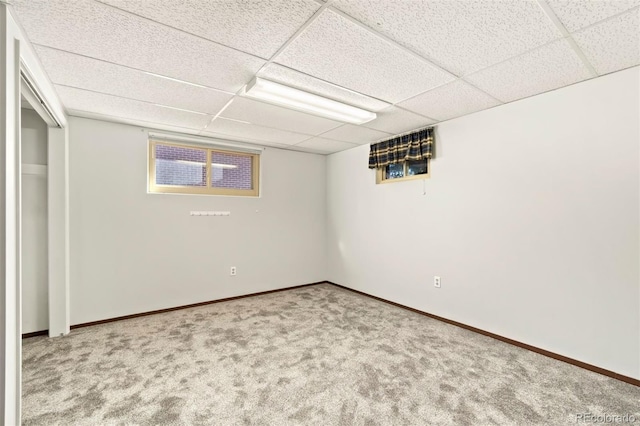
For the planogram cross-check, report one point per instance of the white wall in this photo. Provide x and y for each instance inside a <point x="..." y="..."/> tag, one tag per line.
<point x="35" y="309"/>
<point x="531" y="218"/>
<point x="134" y="252"/>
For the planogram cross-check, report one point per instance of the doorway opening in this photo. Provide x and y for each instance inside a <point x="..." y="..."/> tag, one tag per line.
<point x="34" y="226"/>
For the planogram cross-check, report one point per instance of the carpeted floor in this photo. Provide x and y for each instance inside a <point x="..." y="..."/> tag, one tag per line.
<point x="316" y="355"/>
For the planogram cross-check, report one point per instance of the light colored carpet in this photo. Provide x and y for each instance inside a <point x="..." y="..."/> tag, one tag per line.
<point x="316" y="355"/>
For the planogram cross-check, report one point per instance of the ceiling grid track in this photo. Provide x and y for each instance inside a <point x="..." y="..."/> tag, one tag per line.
<point x="135" y="100"/>
<point x="547" y="45"/>
<point x="131" y="68"/>
<point x="424" y="59"/>
<point x="610" y="18"/>
<point x="314" y="17"/>
<point x="270" y="61"/>
<point x="567" y="36"/>
<point x="127" y="12"/>
<point x="394" y="43"/>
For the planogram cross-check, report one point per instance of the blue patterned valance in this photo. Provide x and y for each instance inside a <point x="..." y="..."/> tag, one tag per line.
<point x="413" y="146"/>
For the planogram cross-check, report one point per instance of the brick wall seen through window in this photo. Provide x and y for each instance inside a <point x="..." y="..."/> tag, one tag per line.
<point x="230" y="170"/>
<point x="180" y="166"/>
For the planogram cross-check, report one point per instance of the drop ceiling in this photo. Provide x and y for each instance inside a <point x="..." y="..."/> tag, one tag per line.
<point x="182" y="64"/>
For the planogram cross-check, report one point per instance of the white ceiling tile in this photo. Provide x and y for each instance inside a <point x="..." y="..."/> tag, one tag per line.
<point x="614" y="44"/>
<point x="68" y="69"/>
<point x="337" y="50"/>
<point x="576" y="14"/>
<point x="253" y="132"/>
<point x="311" y="84"/>
<point x="263" y="114"/>
<point x="103" y="32"/>
<point x="451" y="100"/>
<point x="325" y="146"/>
<point x="257" y="27"/>
<point x="538" y="71"/>
<point x="462" y="36"/>
<point x="98" y="103"/>
<point x="355" y="134"/>
<point x="395" y="120"/>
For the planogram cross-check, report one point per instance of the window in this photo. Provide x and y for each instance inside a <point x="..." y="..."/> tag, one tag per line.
<point x="398" y="172"/>
<point x="189" y="169"/>
<point x="404" y="157"/>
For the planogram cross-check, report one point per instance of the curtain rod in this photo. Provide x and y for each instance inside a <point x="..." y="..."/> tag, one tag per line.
<point x="432" y="126"/>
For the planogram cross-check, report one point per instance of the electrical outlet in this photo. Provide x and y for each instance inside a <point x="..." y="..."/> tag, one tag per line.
<point x="233" y="270"/>
<point x="436" y="282"/>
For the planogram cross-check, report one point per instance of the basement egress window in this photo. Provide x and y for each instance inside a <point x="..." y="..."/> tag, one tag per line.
<point x="189" y="169"/>
<point x="403" y="157"/>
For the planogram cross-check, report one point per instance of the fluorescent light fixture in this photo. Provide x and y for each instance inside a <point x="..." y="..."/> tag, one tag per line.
<point x="279" y="94"/>
<point x="214" y="165"/>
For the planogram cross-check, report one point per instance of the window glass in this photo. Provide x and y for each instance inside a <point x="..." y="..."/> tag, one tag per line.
<point x="230" y="170"/>
<point x="180" y="166"/>
<point x="416" y="167"/>
<point x="400" y="172"/>
<point x="395" y="171"/>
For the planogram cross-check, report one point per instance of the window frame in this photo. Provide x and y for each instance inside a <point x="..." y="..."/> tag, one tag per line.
<point x="381" y="174"/>
<point x="154" y="188"/>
